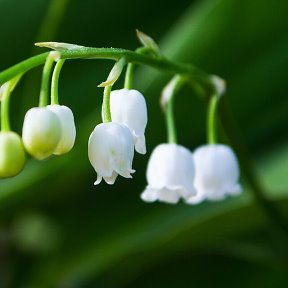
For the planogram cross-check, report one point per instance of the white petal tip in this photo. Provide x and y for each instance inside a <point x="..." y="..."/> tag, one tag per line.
<point x="149" y="196"/>
<point x="141" y="150"/>
<point x="140" y="145"/>
<point x="194" y="200"/>
<point x="98" y="180"/>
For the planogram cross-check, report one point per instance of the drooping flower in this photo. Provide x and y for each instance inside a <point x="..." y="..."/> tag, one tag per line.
<point x="170" y="174"/>
<point x="12" y="154"/>
<point x="111" y="151"/>
<point x="216" y="173"/>
<point x="128" y="107"/>
<point x="41" y="132"/>
<point x="68" y="129"/>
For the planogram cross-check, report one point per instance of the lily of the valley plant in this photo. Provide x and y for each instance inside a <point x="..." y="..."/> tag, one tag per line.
<point x="174" y="172"/>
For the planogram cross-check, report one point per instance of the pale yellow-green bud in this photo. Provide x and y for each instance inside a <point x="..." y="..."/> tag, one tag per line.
<point x="68" y="133"/>
<point x="12" y="154"/>
<point x="41" y="132"/>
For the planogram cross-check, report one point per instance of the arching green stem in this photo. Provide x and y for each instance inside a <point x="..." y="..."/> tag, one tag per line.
<point x="167" y="102"/>
<point x="161" y="63"/>
<point x="46" y="77"/>
<point x="212" y="120"/>
<point x="55" y="81"/>
<point x="5" y="119"/>
<point x="106" y="104"/>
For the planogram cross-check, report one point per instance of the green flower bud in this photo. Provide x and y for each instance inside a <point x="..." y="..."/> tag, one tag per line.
<point x="41" y="132"/>
<point x="12" y="154"/>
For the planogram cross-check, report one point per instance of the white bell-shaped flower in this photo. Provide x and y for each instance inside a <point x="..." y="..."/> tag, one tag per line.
<point x="128" y="107"/>
<point x="68" y="133"/>
<point x="41" y="132"/>
<point x="170" y="174"/>
<point x="12" y="154"/>
<point x="111" y="151"/>
<point x="216" y="173"/>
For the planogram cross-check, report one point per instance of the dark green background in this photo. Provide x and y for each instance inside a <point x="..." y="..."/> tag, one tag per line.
<point x="59" y="230"/>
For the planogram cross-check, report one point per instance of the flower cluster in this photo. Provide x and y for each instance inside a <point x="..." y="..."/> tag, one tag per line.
<point x="174" y="173"/>
<point x="46" y="131"/>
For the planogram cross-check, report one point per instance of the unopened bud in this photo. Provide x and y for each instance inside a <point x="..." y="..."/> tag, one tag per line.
<point x="12" y="154"/>
<point x="41" y="132"/>
<point x="68" y="129"/>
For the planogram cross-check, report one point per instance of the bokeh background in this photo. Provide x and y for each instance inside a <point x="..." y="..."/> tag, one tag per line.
<point x="58" y="230"/>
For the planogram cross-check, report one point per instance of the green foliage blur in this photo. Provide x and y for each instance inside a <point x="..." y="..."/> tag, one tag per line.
<point x="59" y="230"/>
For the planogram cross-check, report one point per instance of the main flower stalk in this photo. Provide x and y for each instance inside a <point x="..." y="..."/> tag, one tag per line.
<point x="159" y="62"/>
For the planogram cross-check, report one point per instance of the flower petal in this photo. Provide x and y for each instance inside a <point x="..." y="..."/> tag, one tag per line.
<point x="67" y="123"/>
<point x="98" y="180"/>
<point x="128" y="107"/>
<point x="170" y="196"/>
<point x="149" y="194"/>
<point x="110" y="180"/>
<point x="140" y="145"/>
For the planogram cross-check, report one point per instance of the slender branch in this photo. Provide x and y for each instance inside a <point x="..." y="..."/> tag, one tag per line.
<point x="23" y="67"/>
<point x="5" y="118"/>
<point x="106" y="104"/>
<point x="113" y="54"/>
<point x="129" y="76"/>
<point x="212" y="120"/>
<point x="167" y="102"/>
<point x="170" y="122"/>
<point x="55" y="80"/>
<point x="45" y="83"/>
<point x="5" y="122"/>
